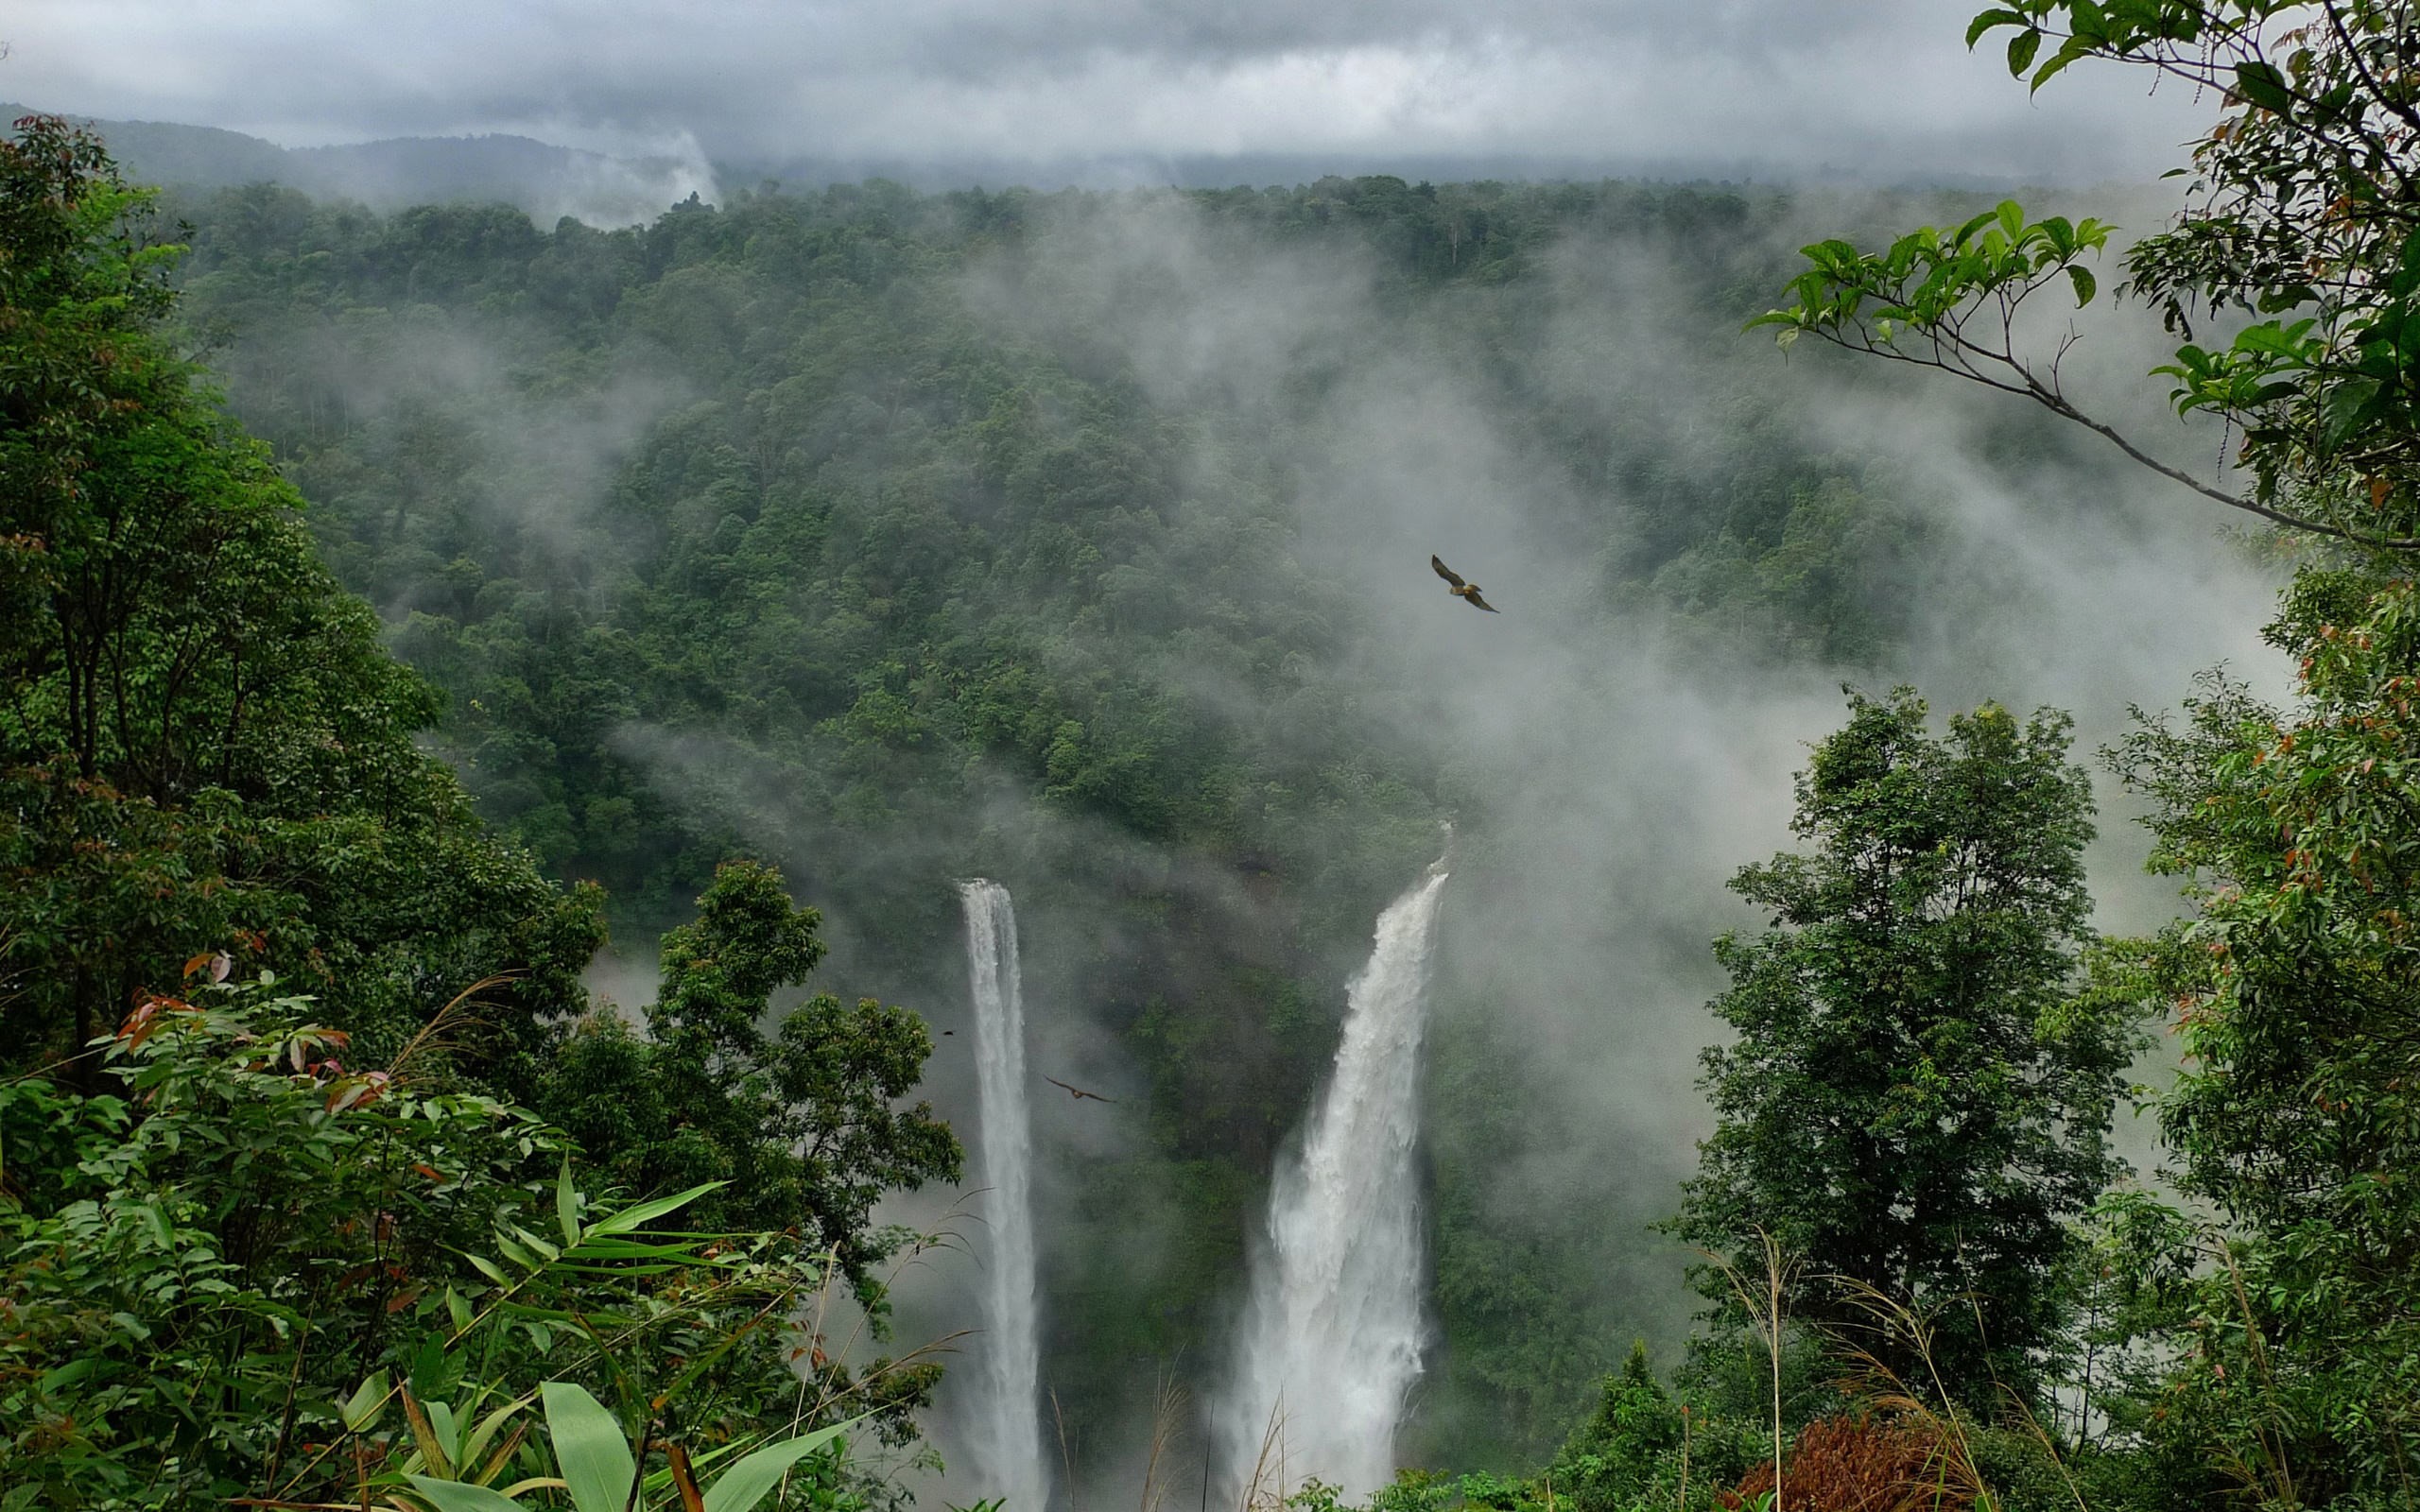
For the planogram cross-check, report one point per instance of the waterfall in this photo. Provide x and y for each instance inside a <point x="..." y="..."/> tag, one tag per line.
<point x="1332" y="1338"/>
<point x="1006" y="1429"/>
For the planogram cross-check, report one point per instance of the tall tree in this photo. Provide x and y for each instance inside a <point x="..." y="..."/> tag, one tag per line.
<point x="203" y="744"/>
<point x="2297" y="993"/>
<point x="2303" y="215"/>
<point x="1913" y="1104"/>
<point x="804" y="1123"/>
<point x="2296" y="1355"/>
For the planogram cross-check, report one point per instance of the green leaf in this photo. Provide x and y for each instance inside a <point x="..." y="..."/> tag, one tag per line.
<point x="362" y="1407"/>
<point x="2021" y="49"/>
<point x="1988" y="21"/>
<point x="745" y="1483"/>
<point x="2086" y="287"/>
<point x="487" y="1268"/>
<point x="427" y="1374"/>
<point x="2264" y="86"/>
<point x="567" y="1205"/>
<point x="484" y="1434"/>
<point x="67" y="1375"/>
<point x="448" y="1432"/>
<point x="590" y="1450"/>
<point x="2273" y="339"/>
<point x="2406" y="268"/>
<point x="2074" y="49"/>
<point x="630" y="1218"/>
<point x="455" y="1496"/>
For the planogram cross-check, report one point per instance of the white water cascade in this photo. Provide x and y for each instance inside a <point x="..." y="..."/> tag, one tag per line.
<point x="1332" y="1338"/>
<point x="1006" y="1431"/>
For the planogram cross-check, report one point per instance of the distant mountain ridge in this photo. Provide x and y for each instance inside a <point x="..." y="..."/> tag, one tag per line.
<point x="546" y="180"/>
<point x="549" y="181"/>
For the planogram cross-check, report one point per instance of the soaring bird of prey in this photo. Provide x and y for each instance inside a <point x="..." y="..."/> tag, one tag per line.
<point x="1077" y="1092"/>
<point x="1468" y="592"/>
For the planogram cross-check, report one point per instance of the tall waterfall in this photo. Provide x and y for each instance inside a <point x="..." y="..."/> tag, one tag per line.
<point x="1007" y="1428"/>
<point x="1332" y="1340"/>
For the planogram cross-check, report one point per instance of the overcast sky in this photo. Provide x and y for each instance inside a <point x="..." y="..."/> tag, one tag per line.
<point x="1879" y="87"/>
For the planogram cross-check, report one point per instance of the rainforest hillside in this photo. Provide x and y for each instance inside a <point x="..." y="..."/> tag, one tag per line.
<point x="1078" y="540"/>
<point x="1357" y="846"/>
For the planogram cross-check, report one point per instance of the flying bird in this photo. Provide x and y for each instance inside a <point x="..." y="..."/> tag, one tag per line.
<point x="1466" y="591"/>
<point x="1077" y="1092"/>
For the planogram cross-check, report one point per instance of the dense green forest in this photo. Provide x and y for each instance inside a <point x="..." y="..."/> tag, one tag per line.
<point x="960" y="534"/>
<point x="398" y="607"/>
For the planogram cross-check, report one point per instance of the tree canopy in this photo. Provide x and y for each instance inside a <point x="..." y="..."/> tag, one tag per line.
<point x="274" y="1203"/>
<point x="2299" y="236"/>
<point x="2275" y="1353"/>
<point x="802" y="1125"/>
<point x="205" y="746"/>
<point x="1915" y="1107"/>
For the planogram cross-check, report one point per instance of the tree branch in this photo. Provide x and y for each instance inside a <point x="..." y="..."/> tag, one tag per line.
<point x="2033" y="389"/>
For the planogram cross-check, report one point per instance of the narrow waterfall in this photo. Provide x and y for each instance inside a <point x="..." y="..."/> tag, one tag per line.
<point x="1006" y="1421"/>
<point x="1332" y="1338"/>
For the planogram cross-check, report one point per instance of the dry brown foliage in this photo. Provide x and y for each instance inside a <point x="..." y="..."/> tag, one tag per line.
<point x="1862" y="1464"/>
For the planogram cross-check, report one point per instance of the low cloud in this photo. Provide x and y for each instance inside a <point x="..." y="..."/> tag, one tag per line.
<point x="1880" y="90"/>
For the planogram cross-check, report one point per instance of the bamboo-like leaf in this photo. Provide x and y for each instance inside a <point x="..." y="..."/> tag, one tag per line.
<point x="457" y="1496"/>
<point x="433" y="1449"/>
<point x="630" y="1218"/>
<point x="536" y="1483"/>
<point x="487" y="1474"/>
<point x="685" y="1480"/>
<point x="449" y="1433"/>
<point x="361" y="1409"/>
<point x="590" y="1450"/>
<point x="745" y="1483"/>
<point x="592" y="1247"/>
<point x="486" y="1429"/>
<point x="568" y="1206"/>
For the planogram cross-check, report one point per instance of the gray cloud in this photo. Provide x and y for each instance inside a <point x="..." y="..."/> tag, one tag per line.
<point x="1881" y="88"/>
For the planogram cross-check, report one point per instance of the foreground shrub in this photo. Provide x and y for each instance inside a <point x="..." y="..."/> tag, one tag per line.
<point x="1863" y="1464"/>
<point x="260" y="1269"/>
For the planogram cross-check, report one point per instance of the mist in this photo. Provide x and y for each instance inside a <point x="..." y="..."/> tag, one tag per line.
<point x="1611" y="748"/>
<point x="1609" y="769"/>
<point x="1645" y="86"/>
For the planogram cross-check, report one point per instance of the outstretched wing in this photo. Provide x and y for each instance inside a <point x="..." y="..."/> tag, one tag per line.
<point x="1077" y="1092"/>
<point x="1475" y="602"/>
<point x="1442" y="571"/>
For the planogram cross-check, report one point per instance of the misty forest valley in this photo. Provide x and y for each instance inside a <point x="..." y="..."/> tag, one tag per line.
<point x="675" y="839"/>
